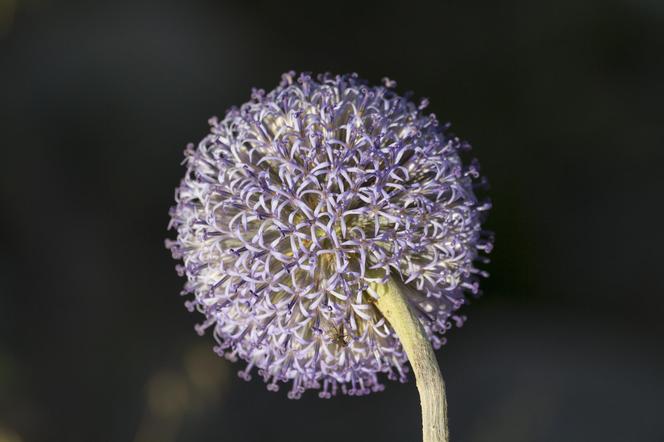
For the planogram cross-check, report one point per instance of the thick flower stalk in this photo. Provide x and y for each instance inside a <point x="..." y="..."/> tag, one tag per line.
<point x="302" y="204"/>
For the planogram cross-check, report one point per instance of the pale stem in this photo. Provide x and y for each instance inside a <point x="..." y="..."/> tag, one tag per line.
<point x="394" y="307"/>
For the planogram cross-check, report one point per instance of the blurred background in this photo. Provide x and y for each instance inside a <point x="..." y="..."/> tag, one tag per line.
<point x="562" y="102"/>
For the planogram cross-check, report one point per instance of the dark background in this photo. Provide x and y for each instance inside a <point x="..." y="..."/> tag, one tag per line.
<point x="561" y="100"/>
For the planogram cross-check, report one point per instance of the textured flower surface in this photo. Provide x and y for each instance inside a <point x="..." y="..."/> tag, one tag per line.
<point x="300" y="200"/>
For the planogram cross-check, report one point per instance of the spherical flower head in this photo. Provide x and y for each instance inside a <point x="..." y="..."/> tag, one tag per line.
<point x="298" y="203"/>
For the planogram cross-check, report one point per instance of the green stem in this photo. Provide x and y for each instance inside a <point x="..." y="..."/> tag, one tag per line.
<point x="394" y="307"/>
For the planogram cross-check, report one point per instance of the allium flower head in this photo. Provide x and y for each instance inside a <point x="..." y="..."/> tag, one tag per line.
<point x="297" y="202"/>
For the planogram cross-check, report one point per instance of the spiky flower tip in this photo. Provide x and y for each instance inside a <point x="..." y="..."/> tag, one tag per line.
<point x="297" y="202"/>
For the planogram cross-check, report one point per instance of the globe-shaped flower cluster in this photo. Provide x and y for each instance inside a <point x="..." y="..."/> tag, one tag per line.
<point x="298" y="202"/>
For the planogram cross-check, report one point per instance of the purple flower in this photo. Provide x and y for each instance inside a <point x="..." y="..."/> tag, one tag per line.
<point x="302" y="197"/>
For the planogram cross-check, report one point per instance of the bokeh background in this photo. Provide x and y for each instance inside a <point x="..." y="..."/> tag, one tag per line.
<point x="562" y="102"/>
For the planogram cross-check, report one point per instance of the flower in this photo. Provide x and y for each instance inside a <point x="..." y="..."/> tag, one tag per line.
<point x="300" y="199"/>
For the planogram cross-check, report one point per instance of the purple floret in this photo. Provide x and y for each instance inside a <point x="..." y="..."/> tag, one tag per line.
<point x="302" y="197"/>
